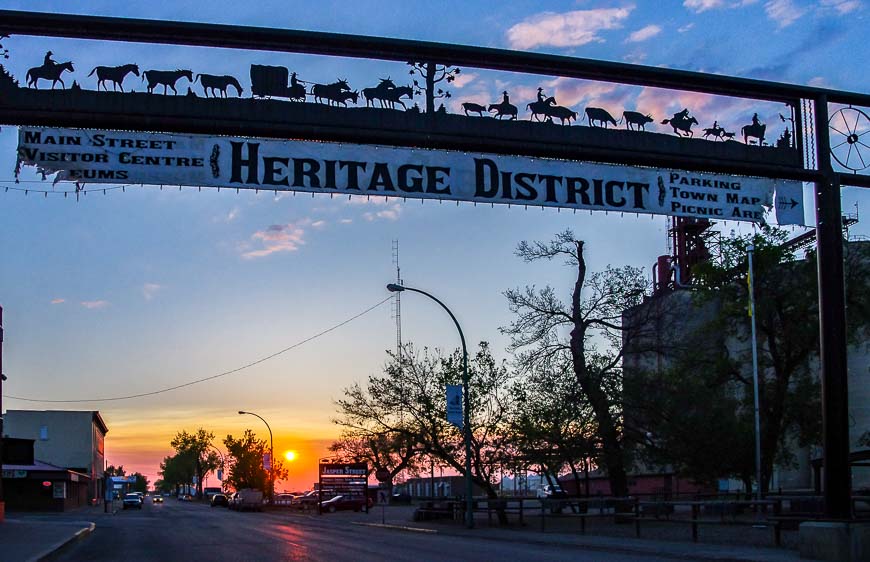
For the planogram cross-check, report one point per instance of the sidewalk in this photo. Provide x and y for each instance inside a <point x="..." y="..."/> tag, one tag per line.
<point x="26" y="539"/>
<point x="398" y="519"/>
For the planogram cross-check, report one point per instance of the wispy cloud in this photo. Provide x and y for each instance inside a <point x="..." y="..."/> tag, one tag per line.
<point x="346" y="221"/>
<point x="391" y="213"/>
<point x="686" y="27"/>
<point x="463" y="79"/>
<point x="278" y="238"/>
<point x="842" y="7"/>
<point x="318" y="224"/>
<point x="644" y="33"/>
<point x="149" y="290"/>
<point x="699" y="6"/>
<point x="568" y="29"/>
<point x="57" y="301"/>
<point x="90" y="305"/>
<point x="783" y="12"/>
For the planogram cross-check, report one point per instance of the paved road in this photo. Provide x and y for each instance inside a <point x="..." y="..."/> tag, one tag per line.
<point x="191" y="532"/>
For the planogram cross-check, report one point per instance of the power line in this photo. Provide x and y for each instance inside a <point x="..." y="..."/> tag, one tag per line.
<point x="219" y="375"/>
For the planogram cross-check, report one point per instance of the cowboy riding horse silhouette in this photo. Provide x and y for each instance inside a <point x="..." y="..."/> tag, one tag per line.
<point x="49" y="70"/>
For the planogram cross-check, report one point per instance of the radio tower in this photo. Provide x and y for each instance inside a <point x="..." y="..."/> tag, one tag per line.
<point x="397" y="303"/>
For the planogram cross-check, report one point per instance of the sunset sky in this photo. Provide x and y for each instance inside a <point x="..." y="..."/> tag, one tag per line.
<point x="135" y="291"/>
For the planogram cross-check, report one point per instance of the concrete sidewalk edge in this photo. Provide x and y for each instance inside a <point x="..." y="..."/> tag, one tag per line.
<point x="53" y="549"/>
<point x="398" y="527"/>
<point x="656" y="550"/>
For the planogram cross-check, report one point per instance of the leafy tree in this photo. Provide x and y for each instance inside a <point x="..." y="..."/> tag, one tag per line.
<point x="141" y="483"/>
<point x="381" y="450"/>
<point x="112" y="470"/>
<point x="408" y="403"/>
<point x="196" y="449"/>
<point x="246" y="463"/>
<point x="709" y="385"/>
<point x="592" y="347"/>
<point x="176" y="471"/>
<point x="552" y="426"/>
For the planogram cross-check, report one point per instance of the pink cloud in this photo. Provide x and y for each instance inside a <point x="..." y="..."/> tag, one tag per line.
<point x="278" y="238"/>
<point x="568" y="29"/>
<point x="57" y="301"/>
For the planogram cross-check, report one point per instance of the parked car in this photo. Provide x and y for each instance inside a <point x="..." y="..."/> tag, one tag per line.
<point x="247" y="499"/>
<point x="343" y="503"/>
<point x="307" y="500"/>
<point x="219" y="500"/>
<point x="548" y="491"/>
<point x="132" y="500"/>
<point x="284" y="499"/>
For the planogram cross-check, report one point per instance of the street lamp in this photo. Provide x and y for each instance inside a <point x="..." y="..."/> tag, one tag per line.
<point x="466" y="430"/>
<point x="271" y="457"/>
<point x="750" y="251"/>
<point x="223" y="463"/>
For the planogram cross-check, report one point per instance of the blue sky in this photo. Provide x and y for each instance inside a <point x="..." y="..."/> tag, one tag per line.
<point x="134" y="290"/>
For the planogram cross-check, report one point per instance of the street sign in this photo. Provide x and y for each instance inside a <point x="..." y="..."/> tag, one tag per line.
<point x="383" y="497"/>
<point x="454" y="404"/>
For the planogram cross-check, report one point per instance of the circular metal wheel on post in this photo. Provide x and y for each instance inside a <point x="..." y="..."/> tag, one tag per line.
<point x="850" y="138"/>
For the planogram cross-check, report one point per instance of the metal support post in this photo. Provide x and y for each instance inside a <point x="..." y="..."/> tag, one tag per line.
<point x="832" y="328"/>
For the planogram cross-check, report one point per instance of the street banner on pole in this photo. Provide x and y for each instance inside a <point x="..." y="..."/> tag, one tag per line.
<point x="454" y="404"/>
<point x="267" y="462"/>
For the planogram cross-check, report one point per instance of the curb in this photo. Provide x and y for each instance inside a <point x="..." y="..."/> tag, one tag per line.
<point x="55" y="548"/>
<point x="397" y="527"/>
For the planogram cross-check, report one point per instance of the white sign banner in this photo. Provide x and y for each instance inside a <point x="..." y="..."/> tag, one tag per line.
<point x="115" y="157"/>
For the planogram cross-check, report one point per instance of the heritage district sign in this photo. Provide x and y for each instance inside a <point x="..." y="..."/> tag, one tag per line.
<point x="113" y="157"/>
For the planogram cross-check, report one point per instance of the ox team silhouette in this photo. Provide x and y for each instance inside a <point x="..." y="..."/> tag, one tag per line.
<point x="278" y="82"/>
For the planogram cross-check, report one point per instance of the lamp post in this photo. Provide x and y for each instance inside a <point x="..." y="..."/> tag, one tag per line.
<point x="271" y="457"/>
<point x="750" y="250"/>
<point x="466" y="430"/>
<point x="223" y="463"/>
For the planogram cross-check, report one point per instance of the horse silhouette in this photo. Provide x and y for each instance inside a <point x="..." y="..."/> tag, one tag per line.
<point x="715" y="132"/>
<point x="50" y="72"/>
<point x="682" y="124"/>
<point x="540" y="108"/>
<point x="601" y="115"/>
<point x="637" y="119"/>
<point x="474" y="108"/>
<point x="755" y="131"/>
<point x="211" y="83"/>
<point x="504" y="109"/>
<point x="332" y="93"/>
<point x="388" y="94"/>
<point x="165" y="78"/>
<point x="114" y="73"/>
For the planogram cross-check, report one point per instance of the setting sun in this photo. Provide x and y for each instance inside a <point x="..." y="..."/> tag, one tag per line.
<point x="290" y="455"/>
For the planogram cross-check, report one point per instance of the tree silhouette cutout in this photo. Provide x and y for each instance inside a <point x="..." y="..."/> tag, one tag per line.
<point x="6" y="79"/>
<point x="433" y="73"/>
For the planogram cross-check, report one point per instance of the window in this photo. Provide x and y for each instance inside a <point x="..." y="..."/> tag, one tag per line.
<point x="43" y="433"/>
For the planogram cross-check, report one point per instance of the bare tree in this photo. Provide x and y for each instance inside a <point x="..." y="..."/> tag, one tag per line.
<point x="586" y="334"/>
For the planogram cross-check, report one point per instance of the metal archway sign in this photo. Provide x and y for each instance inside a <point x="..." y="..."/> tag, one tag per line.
<point x="551" y="133"/>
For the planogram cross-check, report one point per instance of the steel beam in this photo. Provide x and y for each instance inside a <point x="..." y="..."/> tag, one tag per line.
<point x="360" y="46"/>
<point x="832" y="330"/>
